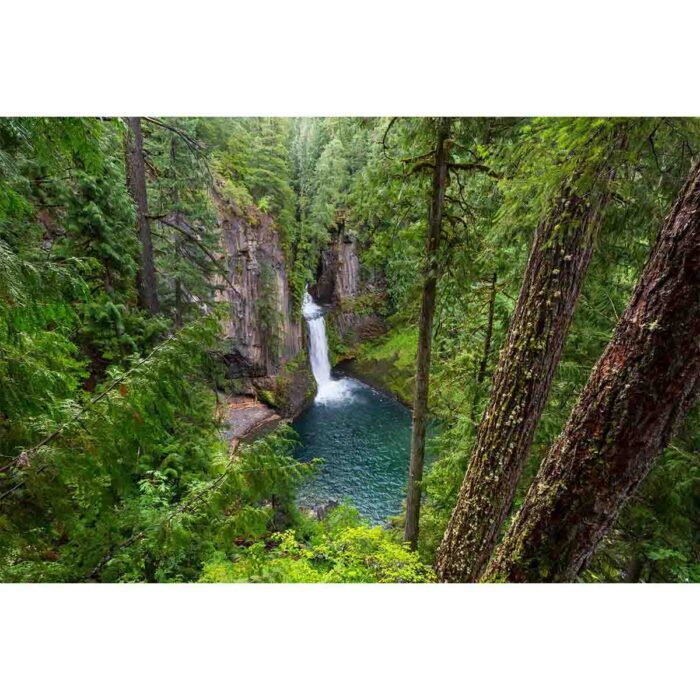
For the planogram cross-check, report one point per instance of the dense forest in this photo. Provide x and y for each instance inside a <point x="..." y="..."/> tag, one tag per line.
<point x="529" y="287"/>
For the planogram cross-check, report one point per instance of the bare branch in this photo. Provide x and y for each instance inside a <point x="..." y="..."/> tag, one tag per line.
<point x="385" y="148"/>
<point x="177" y="222"/>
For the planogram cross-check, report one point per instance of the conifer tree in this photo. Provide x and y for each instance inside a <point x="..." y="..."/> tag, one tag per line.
<point x="642" y="387"/>
<point x="425" y="331"/>
<point x="560" y="255"/>
<point x="136" y="181"/>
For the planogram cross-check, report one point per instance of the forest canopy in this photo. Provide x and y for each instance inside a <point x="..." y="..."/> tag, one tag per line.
<point x="507" y="263"/>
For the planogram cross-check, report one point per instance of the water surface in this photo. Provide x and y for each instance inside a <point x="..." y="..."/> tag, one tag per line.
<point x="363" y="437"/>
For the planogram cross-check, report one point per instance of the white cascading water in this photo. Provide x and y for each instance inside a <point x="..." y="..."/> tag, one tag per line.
<point x="329" y="390"/>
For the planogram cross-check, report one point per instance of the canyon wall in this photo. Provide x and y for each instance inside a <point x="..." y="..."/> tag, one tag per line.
<point x="263" y="336"/>
<point x="261" y="331"/>
<point x="338" y="276"/>
<point x="339" y="285"/>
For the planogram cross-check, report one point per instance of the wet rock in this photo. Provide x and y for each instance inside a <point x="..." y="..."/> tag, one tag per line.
<point x="338" y="274"/>
<point x="245" y="418"/>
<point x="261" y="331"/>
<point x="322" y="511"/>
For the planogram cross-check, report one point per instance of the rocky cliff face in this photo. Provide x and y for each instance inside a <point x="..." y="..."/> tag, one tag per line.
<point x="263" y="337"/>
<point x="339" y="285"/>
<point x="261" y="329"/>
<point x="339" y="269"/>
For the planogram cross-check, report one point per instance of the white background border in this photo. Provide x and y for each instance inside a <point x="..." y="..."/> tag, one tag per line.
<point x="303" y="57"/>
<point x="349" y="641"/>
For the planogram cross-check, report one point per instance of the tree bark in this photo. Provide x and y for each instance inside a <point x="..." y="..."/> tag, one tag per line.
<point x="560" y="255"/>
<point x="425" y="332"/>
<point x="640" y="389"/>
<point x="136" y="183"/>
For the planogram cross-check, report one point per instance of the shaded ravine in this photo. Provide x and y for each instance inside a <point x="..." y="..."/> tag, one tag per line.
<point x="361" y="434"/>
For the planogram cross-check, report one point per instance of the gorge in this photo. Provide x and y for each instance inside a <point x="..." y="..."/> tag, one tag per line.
<point x="211" y="330"/>
<point x="361" y="435"/>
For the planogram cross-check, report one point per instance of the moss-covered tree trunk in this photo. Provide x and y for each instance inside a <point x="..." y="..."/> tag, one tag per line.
<point x="640" y="389"/>
<point x="560" y="255"/>
<point x="425" y="333"/>
<point x="136" y="182"/>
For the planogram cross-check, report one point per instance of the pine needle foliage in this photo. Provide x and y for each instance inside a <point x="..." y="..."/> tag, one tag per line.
<point x="112" y="465"/>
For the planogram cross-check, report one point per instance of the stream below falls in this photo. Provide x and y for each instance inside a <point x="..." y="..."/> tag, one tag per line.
<point x="361" y="435"/>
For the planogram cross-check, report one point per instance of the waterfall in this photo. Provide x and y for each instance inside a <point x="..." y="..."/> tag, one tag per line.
<point x="329" y="389"/>
<point x="318" y="344"/>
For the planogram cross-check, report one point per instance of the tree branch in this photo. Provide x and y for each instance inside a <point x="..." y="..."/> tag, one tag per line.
<point x="193" y="144"/>
<point x="175" y="221"/>
<point x="386" y="133"/>
<point x="476" y="166"/>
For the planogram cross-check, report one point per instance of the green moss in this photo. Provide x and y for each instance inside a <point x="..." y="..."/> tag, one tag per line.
<point x="268" y="397"/>
<point x="365" y="304"/>
<point x="399" y="345"/>
<point x="337" y="349"/>
<point x="389" y="362"/>
<point x="279" y="396"/>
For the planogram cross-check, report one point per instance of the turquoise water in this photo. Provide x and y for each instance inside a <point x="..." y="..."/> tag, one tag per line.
<point x="363" y="437"/>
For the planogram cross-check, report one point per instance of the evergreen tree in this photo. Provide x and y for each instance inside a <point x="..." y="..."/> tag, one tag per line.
<point x="639" y="391"/>
<point x="425" y="331"/>
<point x="559" y="260"/>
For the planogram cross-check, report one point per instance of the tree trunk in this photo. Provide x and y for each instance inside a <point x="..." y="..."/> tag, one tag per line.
<point x="489" y="333"/>
<point x="560" y="255"/>
<point x="136" y="182"/>
<point x="481" y="373"/>
<point x="178" y="303"/>
<point x="640" y="389"/>
<point x="425" y="332"/>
